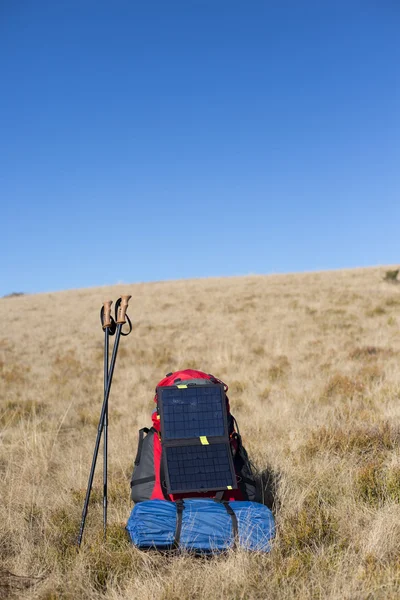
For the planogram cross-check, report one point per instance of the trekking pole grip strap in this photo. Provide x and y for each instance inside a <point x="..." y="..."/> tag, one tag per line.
<point x="107" y="314"/>
<point x="122" y="309"/>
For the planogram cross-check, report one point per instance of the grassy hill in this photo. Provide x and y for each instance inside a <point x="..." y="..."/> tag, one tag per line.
<point x="313" y="365"/>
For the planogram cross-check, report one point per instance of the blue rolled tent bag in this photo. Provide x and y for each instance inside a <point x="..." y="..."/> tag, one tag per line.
<point x="202" y="525"/>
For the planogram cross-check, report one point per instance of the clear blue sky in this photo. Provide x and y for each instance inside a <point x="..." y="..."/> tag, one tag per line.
<point x="149" y="140"/>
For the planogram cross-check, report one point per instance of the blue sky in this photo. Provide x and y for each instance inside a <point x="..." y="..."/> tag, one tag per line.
<point x="157" y="140"/>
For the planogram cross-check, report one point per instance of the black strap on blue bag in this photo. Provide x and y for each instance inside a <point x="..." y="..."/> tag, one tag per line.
<point x="219" y="499"/>
<point x="179" y="511"/>
<point x="232" y="515"/>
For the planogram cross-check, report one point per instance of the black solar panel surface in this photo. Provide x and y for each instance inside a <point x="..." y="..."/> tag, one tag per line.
<point x="196" y="468"/>
<point x="193" y="412"/>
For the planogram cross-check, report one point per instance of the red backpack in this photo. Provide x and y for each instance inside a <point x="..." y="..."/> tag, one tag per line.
<point x="148" y="480"/>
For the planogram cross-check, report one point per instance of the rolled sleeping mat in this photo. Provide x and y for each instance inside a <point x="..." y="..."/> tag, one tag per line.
<point x="203" y="525"/>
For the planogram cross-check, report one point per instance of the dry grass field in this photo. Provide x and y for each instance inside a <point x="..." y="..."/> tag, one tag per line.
<point x="313" y="365"/>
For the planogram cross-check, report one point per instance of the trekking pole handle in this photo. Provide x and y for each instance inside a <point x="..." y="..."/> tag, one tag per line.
<point x="107" y="314"/>
<point x="122" y="309"/>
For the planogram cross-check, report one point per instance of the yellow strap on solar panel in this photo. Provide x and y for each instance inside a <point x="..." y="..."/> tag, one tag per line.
<point x="181" y="387"/>
<point x="204" y="440"/>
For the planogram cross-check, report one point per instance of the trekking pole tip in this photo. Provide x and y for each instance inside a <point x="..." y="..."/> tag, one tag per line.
<point x="122" y="309"/>
<point x="107" y="321"/>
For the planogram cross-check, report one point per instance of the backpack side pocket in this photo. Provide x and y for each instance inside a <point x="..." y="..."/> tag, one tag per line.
<point x="244" y="472"/>
<point x="143" y="476"/>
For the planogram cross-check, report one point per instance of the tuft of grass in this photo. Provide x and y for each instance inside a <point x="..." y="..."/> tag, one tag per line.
<point x="66" y="369"/>
<point x="376" y="484"/>
<point x="308" y="528"/>
<point x="370" y="373"/>
<point x="118" y="488"/>
<point x="109" y="562"/>
<point x="13" y="374"/>
<point x="368" y="353"/>
<point x="238" y="405"/>
<point x="258" y="351"/>
<point x="62" y="535"/>
<point x="163" y="358"/>
<point x="9" y="546"/>
<point x="340" y="385"/>
<point x="393" y="484"/>
<point x="376" y="312"/>
<point x="14" y="295"/>
<point x="237" y="387"/>
<point x="117" y="538"/>
<point x="369" y="483"/>
<point x="360" y="440"/>
<point x="279" y="369"/>
<point x="393" y="301"/>
<point x="11" y="584"/>
<point x="391" y="275"/>
<point x="123" y="353"/>
<point x="78" y="496"/>
<point x="68" y="364"/>
<point x="265" y="394"/>
<point x="16" y="411"/>
<point x="87" y="418"/>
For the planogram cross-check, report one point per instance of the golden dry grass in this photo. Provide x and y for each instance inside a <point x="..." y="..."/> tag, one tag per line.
<point x="313" y="366"/>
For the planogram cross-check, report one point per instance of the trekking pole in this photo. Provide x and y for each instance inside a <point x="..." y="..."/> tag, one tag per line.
<point x="107" y="323"/>
<point x="120" y="313"/>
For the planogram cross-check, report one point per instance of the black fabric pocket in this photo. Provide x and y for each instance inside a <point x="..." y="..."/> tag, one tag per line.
<point x="143" y="476"/>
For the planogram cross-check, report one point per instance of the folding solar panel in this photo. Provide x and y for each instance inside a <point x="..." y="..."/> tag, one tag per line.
<point x="198" y="468"/>
<point x="195" y="438"/>
<point x="193" y="412"/>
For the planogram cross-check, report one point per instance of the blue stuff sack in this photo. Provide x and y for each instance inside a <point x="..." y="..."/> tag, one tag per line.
<point x="202" y="526"/>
